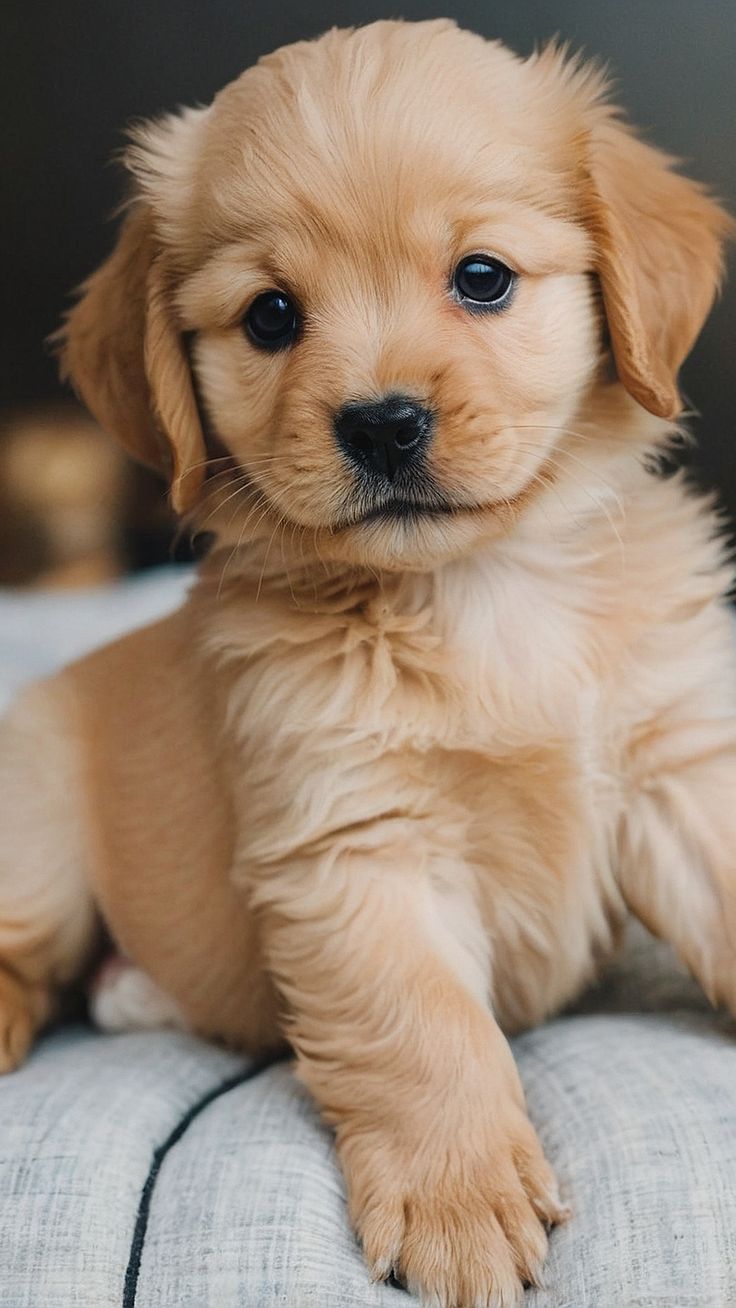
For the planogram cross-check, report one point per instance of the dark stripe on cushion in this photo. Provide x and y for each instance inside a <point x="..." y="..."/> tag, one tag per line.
<point x="144" y="1206"/>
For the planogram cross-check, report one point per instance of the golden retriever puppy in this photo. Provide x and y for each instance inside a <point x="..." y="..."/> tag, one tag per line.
<point x="401" y="316"/>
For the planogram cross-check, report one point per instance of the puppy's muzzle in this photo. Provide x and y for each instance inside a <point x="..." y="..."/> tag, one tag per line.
<point x="384" y="436"/>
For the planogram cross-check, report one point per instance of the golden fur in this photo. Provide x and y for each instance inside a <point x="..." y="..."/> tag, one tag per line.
<point x="389" y="788"/>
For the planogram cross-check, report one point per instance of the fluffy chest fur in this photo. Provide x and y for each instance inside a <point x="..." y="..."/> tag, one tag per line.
<point x="484" y="715"/>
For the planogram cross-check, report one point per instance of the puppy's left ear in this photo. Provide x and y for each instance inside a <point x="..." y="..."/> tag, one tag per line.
<point x="658" y="239"/>
<point x="122" y="344"/>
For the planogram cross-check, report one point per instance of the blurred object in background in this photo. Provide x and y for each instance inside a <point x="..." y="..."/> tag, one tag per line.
<point x="74" y="511"/>
<point x="62" y="487"/>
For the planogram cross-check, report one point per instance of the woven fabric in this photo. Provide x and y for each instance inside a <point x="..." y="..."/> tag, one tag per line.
<point x="636" y="1110"/>
<point x="78" y="1127"/>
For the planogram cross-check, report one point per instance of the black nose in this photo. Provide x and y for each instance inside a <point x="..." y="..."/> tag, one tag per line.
<point x="383" y="434"/>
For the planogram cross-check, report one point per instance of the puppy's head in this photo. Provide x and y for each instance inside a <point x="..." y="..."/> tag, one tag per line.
<point x="383" y="255"/>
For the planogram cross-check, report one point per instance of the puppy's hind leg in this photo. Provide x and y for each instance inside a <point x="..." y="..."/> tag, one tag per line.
<point x="47" y="918"/>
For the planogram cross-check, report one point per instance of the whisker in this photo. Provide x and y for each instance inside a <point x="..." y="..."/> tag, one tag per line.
<point x="209" y="463"/>
<point x="242" y="488"/>
<point x="552" y="455"/>
<point x="265" y="557"/>
<point x="294" y="527"/>
<point x="260" y="501"/>
<point x="546" y="426"/>
<point x="602" y="507"/>
<point x="321" y="559"/>
<point x="187" y="517"/>
<point x="259" y="458"/>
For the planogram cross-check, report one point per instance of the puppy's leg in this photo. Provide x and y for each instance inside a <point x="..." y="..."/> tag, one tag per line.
<point x="47" y="920"/>
<point x="678" y="845"/>
<point x="447" y="1182"/>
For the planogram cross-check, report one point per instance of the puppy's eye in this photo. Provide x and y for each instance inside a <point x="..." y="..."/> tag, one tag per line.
<point x="480" y="280"/>
<point x="272" y="321"/>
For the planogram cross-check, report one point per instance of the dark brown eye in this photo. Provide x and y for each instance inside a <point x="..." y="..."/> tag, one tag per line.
<point x="481" y="281"/>
<point x="272" y="321"/>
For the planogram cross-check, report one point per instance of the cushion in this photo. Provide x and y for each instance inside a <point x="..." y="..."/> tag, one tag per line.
<point x="156" y="1171"/>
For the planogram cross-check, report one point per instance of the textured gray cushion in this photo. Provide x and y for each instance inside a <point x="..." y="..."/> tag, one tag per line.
<point x="78" y="1127"/>
<point x="637" y="1110"/>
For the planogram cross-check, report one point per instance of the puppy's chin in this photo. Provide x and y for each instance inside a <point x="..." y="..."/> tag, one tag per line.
<point x="412" y="541"/>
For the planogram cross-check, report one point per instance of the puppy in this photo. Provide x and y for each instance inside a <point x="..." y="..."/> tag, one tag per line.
<point x="456" y="686"/>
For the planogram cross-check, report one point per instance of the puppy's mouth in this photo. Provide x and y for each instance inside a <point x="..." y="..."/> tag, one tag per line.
<point x="411" y="499"/>
<point x="421" y="505"/>
<point x="408" y="511"/>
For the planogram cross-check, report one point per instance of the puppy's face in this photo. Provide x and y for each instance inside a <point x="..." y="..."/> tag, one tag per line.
<point x="386" y="247"/>
<point x="390" y="326"/>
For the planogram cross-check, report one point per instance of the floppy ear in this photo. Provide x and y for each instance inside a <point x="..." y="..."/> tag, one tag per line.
<point x="658" y="240"/>
<point x="123" y="349"/>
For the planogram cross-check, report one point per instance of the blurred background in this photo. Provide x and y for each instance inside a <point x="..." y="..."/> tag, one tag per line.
<point x="73" y="511"/>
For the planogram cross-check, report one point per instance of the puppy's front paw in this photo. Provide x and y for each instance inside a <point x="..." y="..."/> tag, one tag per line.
<point x="466" y="1230"/>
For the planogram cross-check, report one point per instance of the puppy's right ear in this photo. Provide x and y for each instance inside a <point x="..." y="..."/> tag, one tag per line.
<point x="122" y="348"/>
